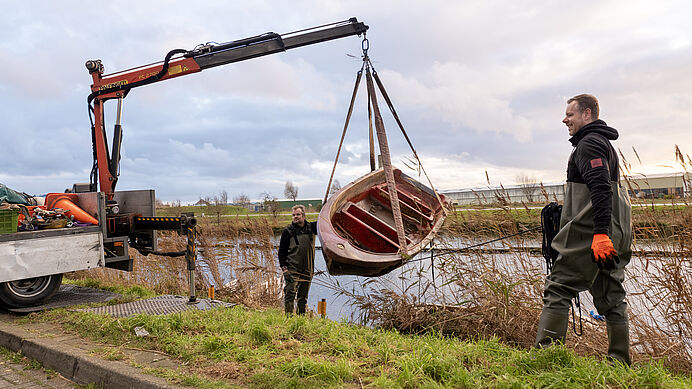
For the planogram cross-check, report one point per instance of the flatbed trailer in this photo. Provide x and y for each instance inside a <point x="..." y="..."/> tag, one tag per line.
<point x="32" y="262"/>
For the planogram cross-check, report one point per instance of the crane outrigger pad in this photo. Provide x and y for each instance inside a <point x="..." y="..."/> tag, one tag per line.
<point x="160" y="305"/>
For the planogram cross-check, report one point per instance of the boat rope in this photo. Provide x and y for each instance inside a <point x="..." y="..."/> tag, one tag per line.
<point x="448" y="251"/>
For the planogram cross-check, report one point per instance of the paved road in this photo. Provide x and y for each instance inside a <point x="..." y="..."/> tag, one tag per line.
<point x="14" y="375"/>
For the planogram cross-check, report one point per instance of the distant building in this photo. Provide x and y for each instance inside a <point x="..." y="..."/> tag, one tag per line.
<point x="510" y="193"/>
<point x="652" y="186"/>
<point x="659" y="185"/>
<point x="201" y="203"/>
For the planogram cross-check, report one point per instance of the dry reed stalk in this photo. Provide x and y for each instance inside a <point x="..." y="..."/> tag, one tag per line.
<point x="245" y="251"/>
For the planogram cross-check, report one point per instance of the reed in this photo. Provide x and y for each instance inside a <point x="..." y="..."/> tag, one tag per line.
<point x="245" y="252"/>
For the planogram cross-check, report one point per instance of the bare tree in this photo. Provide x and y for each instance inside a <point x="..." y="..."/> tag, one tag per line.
<point x="336" y="186"/>
<point x="242" y="200"/>
<point x="530" y="186"/>
<point x="270" y="204"/>
<point x="223" y="197"/>
<point x="291" y="191"/>
<point x="215" y="206"/>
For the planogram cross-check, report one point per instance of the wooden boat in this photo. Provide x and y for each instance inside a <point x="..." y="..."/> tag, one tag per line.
<point x="357" y="229"/>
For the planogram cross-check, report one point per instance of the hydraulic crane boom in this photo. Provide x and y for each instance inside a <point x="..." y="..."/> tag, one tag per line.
<point x="178" y="63"/>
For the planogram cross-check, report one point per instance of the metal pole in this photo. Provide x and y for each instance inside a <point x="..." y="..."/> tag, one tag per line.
<point x="190" y="255"/>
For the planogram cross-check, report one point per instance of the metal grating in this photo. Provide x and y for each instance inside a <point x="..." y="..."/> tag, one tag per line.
<point x="69" y="295"/>
<point x="160" y="305"/>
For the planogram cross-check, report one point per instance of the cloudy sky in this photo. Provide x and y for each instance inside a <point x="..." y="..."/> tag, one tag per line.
<point x="480" y="86"/>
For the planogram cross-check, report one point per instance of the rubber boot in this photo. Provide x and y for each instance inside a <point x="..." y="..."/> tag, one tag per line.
<point x="619" y="341"/>
<point x="552" y="328"/>
<point x="288" y="307"/>
<point x="301" y="309"/>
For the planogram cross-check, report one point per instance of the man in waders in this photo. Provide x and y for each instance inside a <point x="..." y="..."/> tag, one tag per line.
<point x="297" y="259"/>
<point x="595" y="234"/>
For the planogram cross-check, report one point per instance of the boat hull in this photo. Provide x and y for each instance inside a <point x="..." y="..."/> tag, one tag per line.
<point x="356" y="225"/>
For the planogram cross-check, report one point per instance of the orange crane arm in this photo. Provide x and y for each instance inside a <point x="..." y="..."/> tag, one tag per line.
<point x="179" y="63"/>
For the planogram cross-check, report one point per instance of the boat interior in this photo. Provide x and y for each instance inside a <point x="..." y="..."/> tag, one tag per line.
<point x="367" y="220"/>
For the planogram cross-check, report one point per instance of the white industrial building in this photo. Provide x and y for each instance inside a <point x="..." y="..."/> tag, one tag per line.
<point x="510" y="193"/>
<point x="652" y="186"/>
<point x="660" y="185"/>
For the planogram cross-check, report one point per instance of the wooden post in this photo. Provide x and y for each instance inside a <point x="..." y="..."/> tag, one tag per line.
<point x="322" y="308"/>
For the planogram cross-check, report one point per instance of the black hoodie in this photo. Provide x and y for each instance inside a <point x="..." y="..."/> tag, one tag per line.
<point x="594" y="162"/>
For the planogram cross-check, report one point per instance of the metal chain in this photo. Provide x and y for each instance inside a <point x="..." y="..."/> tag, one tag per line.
<point x="365" y="45"/>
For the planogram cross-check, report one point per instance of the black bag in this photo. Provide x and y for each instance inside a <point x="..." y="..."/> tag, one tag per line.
<point x="550" y="224"/>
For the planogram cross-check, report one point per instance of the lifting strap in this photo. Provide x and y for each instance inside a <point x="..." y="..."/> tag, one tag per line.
<point x="343" y="134"/>
<point x="365" y="45"/>
<point x="386" y="163"/>
<point x="371" y="138"/>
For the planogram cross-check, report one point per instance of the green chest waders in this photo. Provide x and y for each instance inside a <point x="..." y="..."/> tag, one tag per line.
<point x="573" y="270"/>
<point x="301" y="265"/>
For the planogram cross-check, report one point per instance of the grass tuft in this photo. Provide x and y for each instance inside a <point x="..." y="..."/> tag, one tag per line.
<point x="260" y="334"/>
<point x="326" y="371"/>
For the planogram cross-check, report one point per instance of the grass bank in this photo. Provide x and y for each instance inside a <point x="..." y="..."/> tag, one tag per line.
<point x="241" y="347"/>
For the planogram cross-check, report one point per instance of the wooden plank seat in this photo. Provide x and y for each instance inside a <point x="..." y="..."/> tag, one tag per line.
<point x="414" y="210"/>
<point x="367" y="229"/>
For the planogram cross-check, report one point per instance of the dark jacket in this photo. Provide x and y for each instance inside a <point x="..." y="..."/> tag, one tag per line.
<point x="594" y="162"/>
<point x="595" y="202"/>
<point x="295" y="251"/>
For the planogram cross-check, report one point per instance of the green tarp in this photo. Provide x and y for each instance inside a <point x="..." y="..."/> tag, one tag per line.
<point x="11" y="196"/>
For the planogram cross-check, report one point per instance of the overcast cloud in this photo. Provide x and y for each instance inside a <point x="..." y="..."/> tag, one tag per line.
<point x="480" y="86"/>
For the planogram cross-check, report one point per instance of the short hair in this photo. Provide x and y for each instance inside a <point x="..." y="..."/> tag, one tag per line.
<point x="585" y="101"/>
<point x="299" y="206"/>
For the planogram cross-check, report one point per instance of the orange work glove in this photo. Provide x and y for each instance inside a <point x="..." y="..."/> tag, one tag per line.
<point x="603" y="253"/>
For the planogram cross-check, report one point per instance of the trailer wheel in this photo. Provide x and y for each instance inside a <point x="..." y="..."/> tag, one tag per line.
<point x="30" y="291"/>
